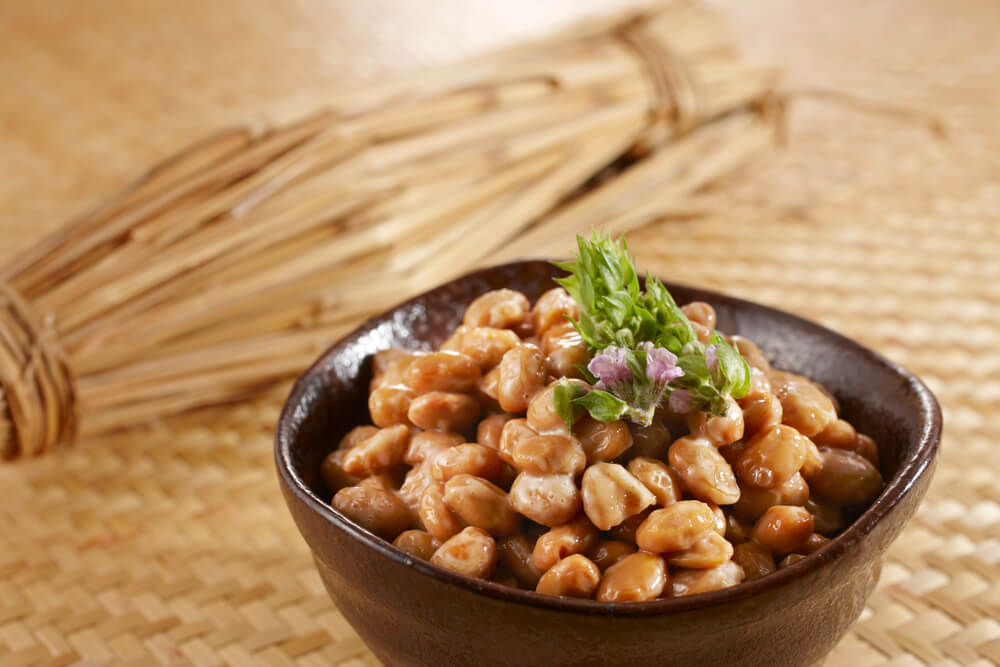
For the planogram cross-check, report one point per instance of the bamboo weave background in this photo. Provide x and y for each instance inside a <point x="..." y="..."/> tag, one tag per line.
<point x="171" y="543"/>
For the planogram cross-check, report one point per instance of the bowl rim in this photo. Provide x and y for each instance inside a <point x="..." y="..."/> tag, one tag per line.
<point x="911" y="470"/>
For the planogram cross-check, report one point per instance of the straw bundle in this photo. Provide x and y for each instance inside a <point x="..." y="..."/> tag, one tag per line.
<point x="232" y="264"/>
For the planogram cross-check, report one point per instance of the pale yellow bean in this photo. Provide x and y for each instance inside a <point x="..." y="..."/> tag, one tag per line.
<point x="611" y="494"/>
<point x="845" y="478"/>
<point x="635" y="578"/>
<point x="499" y="309"/>
<point x="783" y="528"/>
<point x="760" y="412"/>
<point x="434" y="513"/>
<point x="374" y="509"/>
<point x="389" y="367"/>
<point x="479" y="503"/>
<point x="511" y="435"/>
<point x="549" y="455"/>
<point x="488" y="387"/>
<point x="356" y="435"/>
<point x="691" y="582"/>
<point x="542" y="415"/>
<point x="417" y="543"/>
<point x="553" y="307"/>
<point x="602" y="441"/>
<point x="389" y="405"/>
<point x="484" y="345"/>
<point x="381" y="451"/>
<point x="550" y="500"/>
<point x="442" y="371"/>
<point x="659" y="478"/>
<point x="575" y="537"/>
<point x="772" y="457"/>
<point x="521" y="376"/>
<point x="444" y="411"/>
<point x="424" y="446"/>
<point x="383" y="360"/>
<point x="838" y="434"/>
<point x="705" y="473"/>
<point x="675" y="527"/>
<point x="701" y="312"/>
<point x="720" y="429"/>
<point x="710" y="551"/>
<point x="471" y="552"/>
<point x="469" y="459"/>
<point x="804" y="406"/>
<point x="719" y="516"/>
<point x="564" y="351"/>
<point x="575" y="576"/>
<point x="489" y="429"/>
<point x="414" y="485"/>
<point x="754" y="501"/>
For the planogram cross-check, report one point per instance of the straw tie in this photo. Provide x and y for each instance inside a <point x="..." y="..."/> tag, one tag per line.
<point x="676" y="99"/>
<point x="37" y="388"/>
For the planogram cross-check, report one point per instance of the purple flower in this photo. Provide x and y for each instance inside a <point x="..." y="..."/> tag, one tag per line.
<point x="681" y="401"/>
<point x="642" y="395"/>
<point x="712" y="357"/>
<point x="661" y="365"/>
<point x="610" y="366"/>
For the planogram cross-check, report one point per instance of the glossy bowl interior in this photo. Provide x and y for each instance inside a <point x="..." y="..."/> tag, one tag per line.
<point x="411" y="612"/>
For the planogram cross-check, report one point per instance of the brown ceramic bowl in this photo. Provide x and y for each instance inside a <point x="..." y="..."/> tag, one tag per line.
<point x="410" y="612"/>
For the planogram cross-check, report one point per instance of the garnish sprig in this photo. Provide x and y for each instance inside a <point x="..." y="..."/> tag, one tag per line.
<point x="644" y="348"/>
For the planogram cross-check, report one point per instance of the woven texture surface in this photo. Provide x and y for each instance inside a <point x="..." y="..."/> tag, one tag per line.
<point x="171" y="543"/>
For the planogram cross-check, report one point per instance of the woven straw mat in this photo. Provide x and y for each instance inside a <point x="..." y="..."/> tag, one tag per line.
<point x="171" y="543"/>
